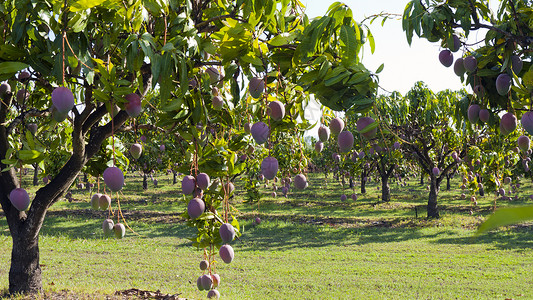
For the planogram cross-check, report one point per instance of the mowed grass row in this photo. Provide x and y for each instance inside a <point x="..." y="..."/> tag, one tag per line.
<point x="309" y="246"/>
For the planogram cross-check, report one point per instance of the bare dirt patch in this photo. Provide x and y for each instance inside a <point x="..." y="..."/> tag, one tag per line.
<point x="130" y="294"/>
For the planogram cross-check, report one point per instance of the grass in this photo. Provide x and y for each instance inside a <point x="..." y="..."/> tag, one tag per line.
<point x="309" y="246"/>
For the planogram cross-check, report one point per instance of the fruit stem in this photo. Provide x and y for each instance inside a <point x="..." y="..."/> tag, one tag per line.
<point x="119" y="212"/>
<point x="63" y="53"/>
<point x="20" y="175"/>
<point x="113" y="131"/>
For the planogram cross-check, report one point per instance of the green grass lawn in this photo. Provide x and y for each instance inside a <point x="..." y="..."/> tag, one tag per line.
<point x="308" y="246"/>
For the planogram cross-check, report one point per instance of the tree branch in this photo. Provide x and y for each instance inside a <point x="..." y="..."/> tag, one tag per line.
<point x="26" y="114"/>
<point x="515" y="16"/>
<point x="50" y="193"/>
<point x="473" y="12"/>
<point x="93" y="118"/>
<point x="217" y="18"/>
<point x="142" y="126"/>
<point x="100" y="133"/>
<point x="8" y="179"/>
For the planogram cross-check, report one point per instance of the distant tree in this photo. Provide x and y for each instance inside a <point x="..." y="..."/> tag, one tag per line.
<point x="431" y="135"/>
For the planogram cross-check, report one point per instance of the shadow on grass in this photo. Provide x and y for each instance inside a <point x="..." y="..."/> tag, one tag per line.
<point x="517" y="238"/>
<point x="285" y="236"/>
<point x="275" y="234"/>
<point x="87" y="224"/>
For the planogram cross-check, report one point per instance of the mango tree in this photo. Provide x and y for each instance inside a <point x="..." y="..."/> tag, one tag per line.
<point x="216" y="118"/>
<point x="431" y="137"/>
<point x="387" y="146"/>
<point x="497" y="68"/>
<point x="92" y="65"/>
<point x="492" y="158"/>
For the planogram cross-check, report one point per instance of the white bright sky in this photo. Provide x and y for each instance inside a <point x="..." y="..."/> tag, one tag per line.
<point x="404" y="64"/>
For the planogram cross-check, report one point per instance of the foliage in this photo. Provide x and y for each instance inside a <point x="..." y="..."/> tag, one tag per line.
<point x="504" y="50"/>
<point x="176" y="56"/>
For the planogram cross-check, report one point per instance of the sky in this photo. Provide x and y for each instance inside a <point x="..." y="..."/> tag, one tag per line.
<point x="404" y="64"/>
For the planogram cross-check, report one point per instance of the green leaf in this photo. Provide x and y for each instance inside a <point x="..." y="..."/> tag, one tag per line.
<point x="407" y="21"/>
<point x="358" y="78"/>
<point x="29" y="139"/>
<point x="348" y="38"/>
<point x="279" y="40"/>
<point x="78" y="22"/>
<point x="507" y="216"/>
<point x="370" y="127"/>
<point x="336" y="79"/>
<point x="370" y="38"/>
<point x="238" y="169"/>
<point x="9" y="67"/>
<point x="308" y="78"/>
<point x="85" y="4"/>
<point x="206" y="216"/>
<point x="28" y="155"/>
<point x="102" y="96"/>
<point x="487" y="72"/>
<point x="380" y="68"/>
<point x="528" y="78"/>
<point x="10" y="52"/>
<point x="183" y="76"/>
<point x="9" y="161"/>
<point x="324" y="68"/>
<point x="235" y="92"/>
<point x="336" y="72"/>
<point x="9" y="152"/>
<point x="235" y="223"/>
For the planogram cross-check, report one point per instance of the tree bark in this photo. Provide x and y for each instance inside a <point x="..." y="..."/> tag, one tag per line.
<point x="363" y="183"/>
<point x="385" y="189"/>
<point x="385" y="173"/>
<point x="175" y="177"/>
<point x="145" y="181"/>
<point x="448" y="185"/>
<point x="25" y="273"/>
<point x="24" y="226"/>
<point x="481" y="188"/>
<point x="432" y="209"/>
<point x="422" y="178"/>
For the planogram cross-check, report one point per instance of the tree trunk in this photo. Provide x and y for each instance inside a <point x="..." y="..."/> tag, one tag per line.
<point x="448" y="185"/>
<point x="433" y="211"/>
<point x="25" y="273"/>
<point x="175" y="177"/>
<point x="422" y="178"/>
<point x="145" y="182"/>
<point x="363" y="183"/>
<point x="35" y="174"/>
<point x="385" y="189"/>
<point x="481" y="188"/>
